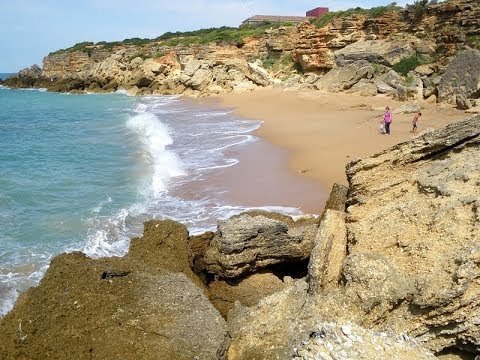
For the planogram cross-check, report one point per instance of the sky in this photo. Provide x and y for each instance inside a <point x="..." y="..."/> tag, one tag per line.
<point x="30" y="29"/>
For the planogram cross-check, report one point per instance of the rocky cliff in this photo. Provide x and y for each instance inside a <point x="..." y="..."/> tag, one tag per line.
<point x="391" y="269"/>
<point x="419" y="42"/>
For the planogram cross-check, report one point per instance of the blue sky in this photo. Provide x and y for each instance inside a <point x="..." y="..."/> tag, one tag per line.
<point x="30" y="29"/>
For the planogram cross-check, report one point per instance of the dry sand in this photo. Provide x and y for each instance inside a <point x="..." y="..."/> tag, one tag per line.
<point x="323" y="131"/>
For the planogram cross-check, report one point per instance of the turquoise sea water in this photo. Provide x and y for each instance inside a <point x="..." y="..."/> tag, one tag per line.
<point x="82" y="172"/>
<point x="3" y="76"/>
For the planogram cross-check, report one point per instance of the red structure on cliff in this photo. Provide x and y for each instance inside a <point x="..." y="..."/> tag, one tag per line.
<point x="317" y="12"/>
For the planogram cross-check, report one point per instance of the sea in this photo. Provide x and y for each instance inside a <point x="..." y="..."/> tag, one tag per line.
<point x="83" y="172"/>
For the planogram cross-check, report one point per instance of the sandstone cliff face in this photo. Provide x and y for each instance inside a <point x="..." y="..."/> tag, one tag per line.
<point x="302" y="54"/>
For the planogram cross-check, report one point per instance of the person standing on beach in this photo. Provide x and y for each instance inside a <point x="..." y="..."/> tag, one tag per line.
<point x="387" y="120"/>
<point x="415" y="121"/>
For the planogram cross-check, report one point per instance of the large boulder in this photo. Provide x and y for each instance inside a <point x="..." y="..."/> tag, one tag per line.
<point x="200" y="79"/>
<point x="343" y="78"/>
<point x="413" y="221"/>
<point x="364" y="88"/>
<point x="258" y="74"/>
<point x="248" y="243"/>
<point x="251" y="327"/>
<point x="385" y="52"/>
<point x="462" y="102"/>
<point x="109" y="73"/>
<point x="145" y="73"/>
<point x="462" y="76"/>
<point x="248" y="292"/>
<point x="163" y="246"/>
<point x="130" y="308"/>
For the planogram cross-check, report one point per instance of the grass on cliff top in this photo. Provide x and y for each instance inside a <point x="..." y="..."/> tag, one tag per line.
<point x="222" y="35"/>
<point x="88" y="46"/>
<point x="369" y="13"/>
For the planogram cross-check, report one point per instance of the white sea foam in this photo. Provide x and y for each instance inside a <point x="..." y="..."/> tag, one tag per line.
<point x="122" y="92"/>
<point x="7" y="299"/>
<point x="248" y="138"/>
<point x="155" y="138"/>
<point x="106" y="236"/>
<point x="34" y="89"/>
<point x="229" y="163"/>
<point x="100" y="206"/>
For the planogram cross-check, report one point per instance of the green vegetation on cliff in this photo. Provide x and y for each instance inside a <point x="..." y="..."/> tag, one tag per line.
<point x="407" y="64"/>
<point x="222" y="35"/>
<point x="369" y="13"/>
<point x="88" y="46"/>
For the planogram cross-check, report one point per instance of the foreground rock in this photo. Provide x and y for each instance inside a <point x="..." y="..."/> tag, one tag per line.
<point x="344" y="342"/>
<point x="410" y="263"/>
<point x="116" y="308"/>
<point x="302" y="333"/>
<point x="248" y="243"/>
<point x="413" y="223"/>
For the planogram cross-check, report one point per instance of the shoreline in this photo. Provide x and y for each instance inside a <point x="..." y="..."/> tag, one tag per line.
<point x="322" y="132"/>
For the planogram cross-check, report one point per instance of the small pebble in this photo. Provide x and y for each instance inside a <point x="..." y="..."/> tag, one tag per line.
<point x="346" y="329"/>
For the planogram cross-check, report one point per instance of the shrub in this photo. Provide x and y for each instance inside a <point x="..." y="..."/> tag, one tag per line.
<point x="474" y="41"/>
<point x="407" y="64"/>
<point x="419" y="8"/>
<point x="282" y="62"/>
<point x="369" y="13"/>
<point x="222" y="35"/>
<point x="82" y="46"/>
<point x="269" y="62"/>
<point x="409" y="80"/>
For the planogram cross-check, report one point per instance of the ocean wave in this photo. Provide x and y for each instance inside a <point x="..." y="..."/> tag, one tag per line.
<point x="154" y="138"/>
<point x="122" y="92"/>
<point x="106" y="236"/>
<point x="34" y="89"/>
<point x="8" y="296"/>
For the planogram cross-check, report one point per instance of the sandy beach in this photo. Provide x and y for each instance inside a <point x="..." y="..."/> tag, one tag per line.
<point x="322" y="132"/>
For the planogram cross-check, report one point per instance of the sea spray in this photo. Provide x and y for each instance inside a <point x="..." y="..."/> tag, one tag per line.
<point x="154" y="137"/>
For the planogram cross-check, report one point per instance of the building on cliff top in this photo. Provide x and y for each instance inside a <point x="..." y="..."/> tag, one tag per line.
<point x="261" y="19"/>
